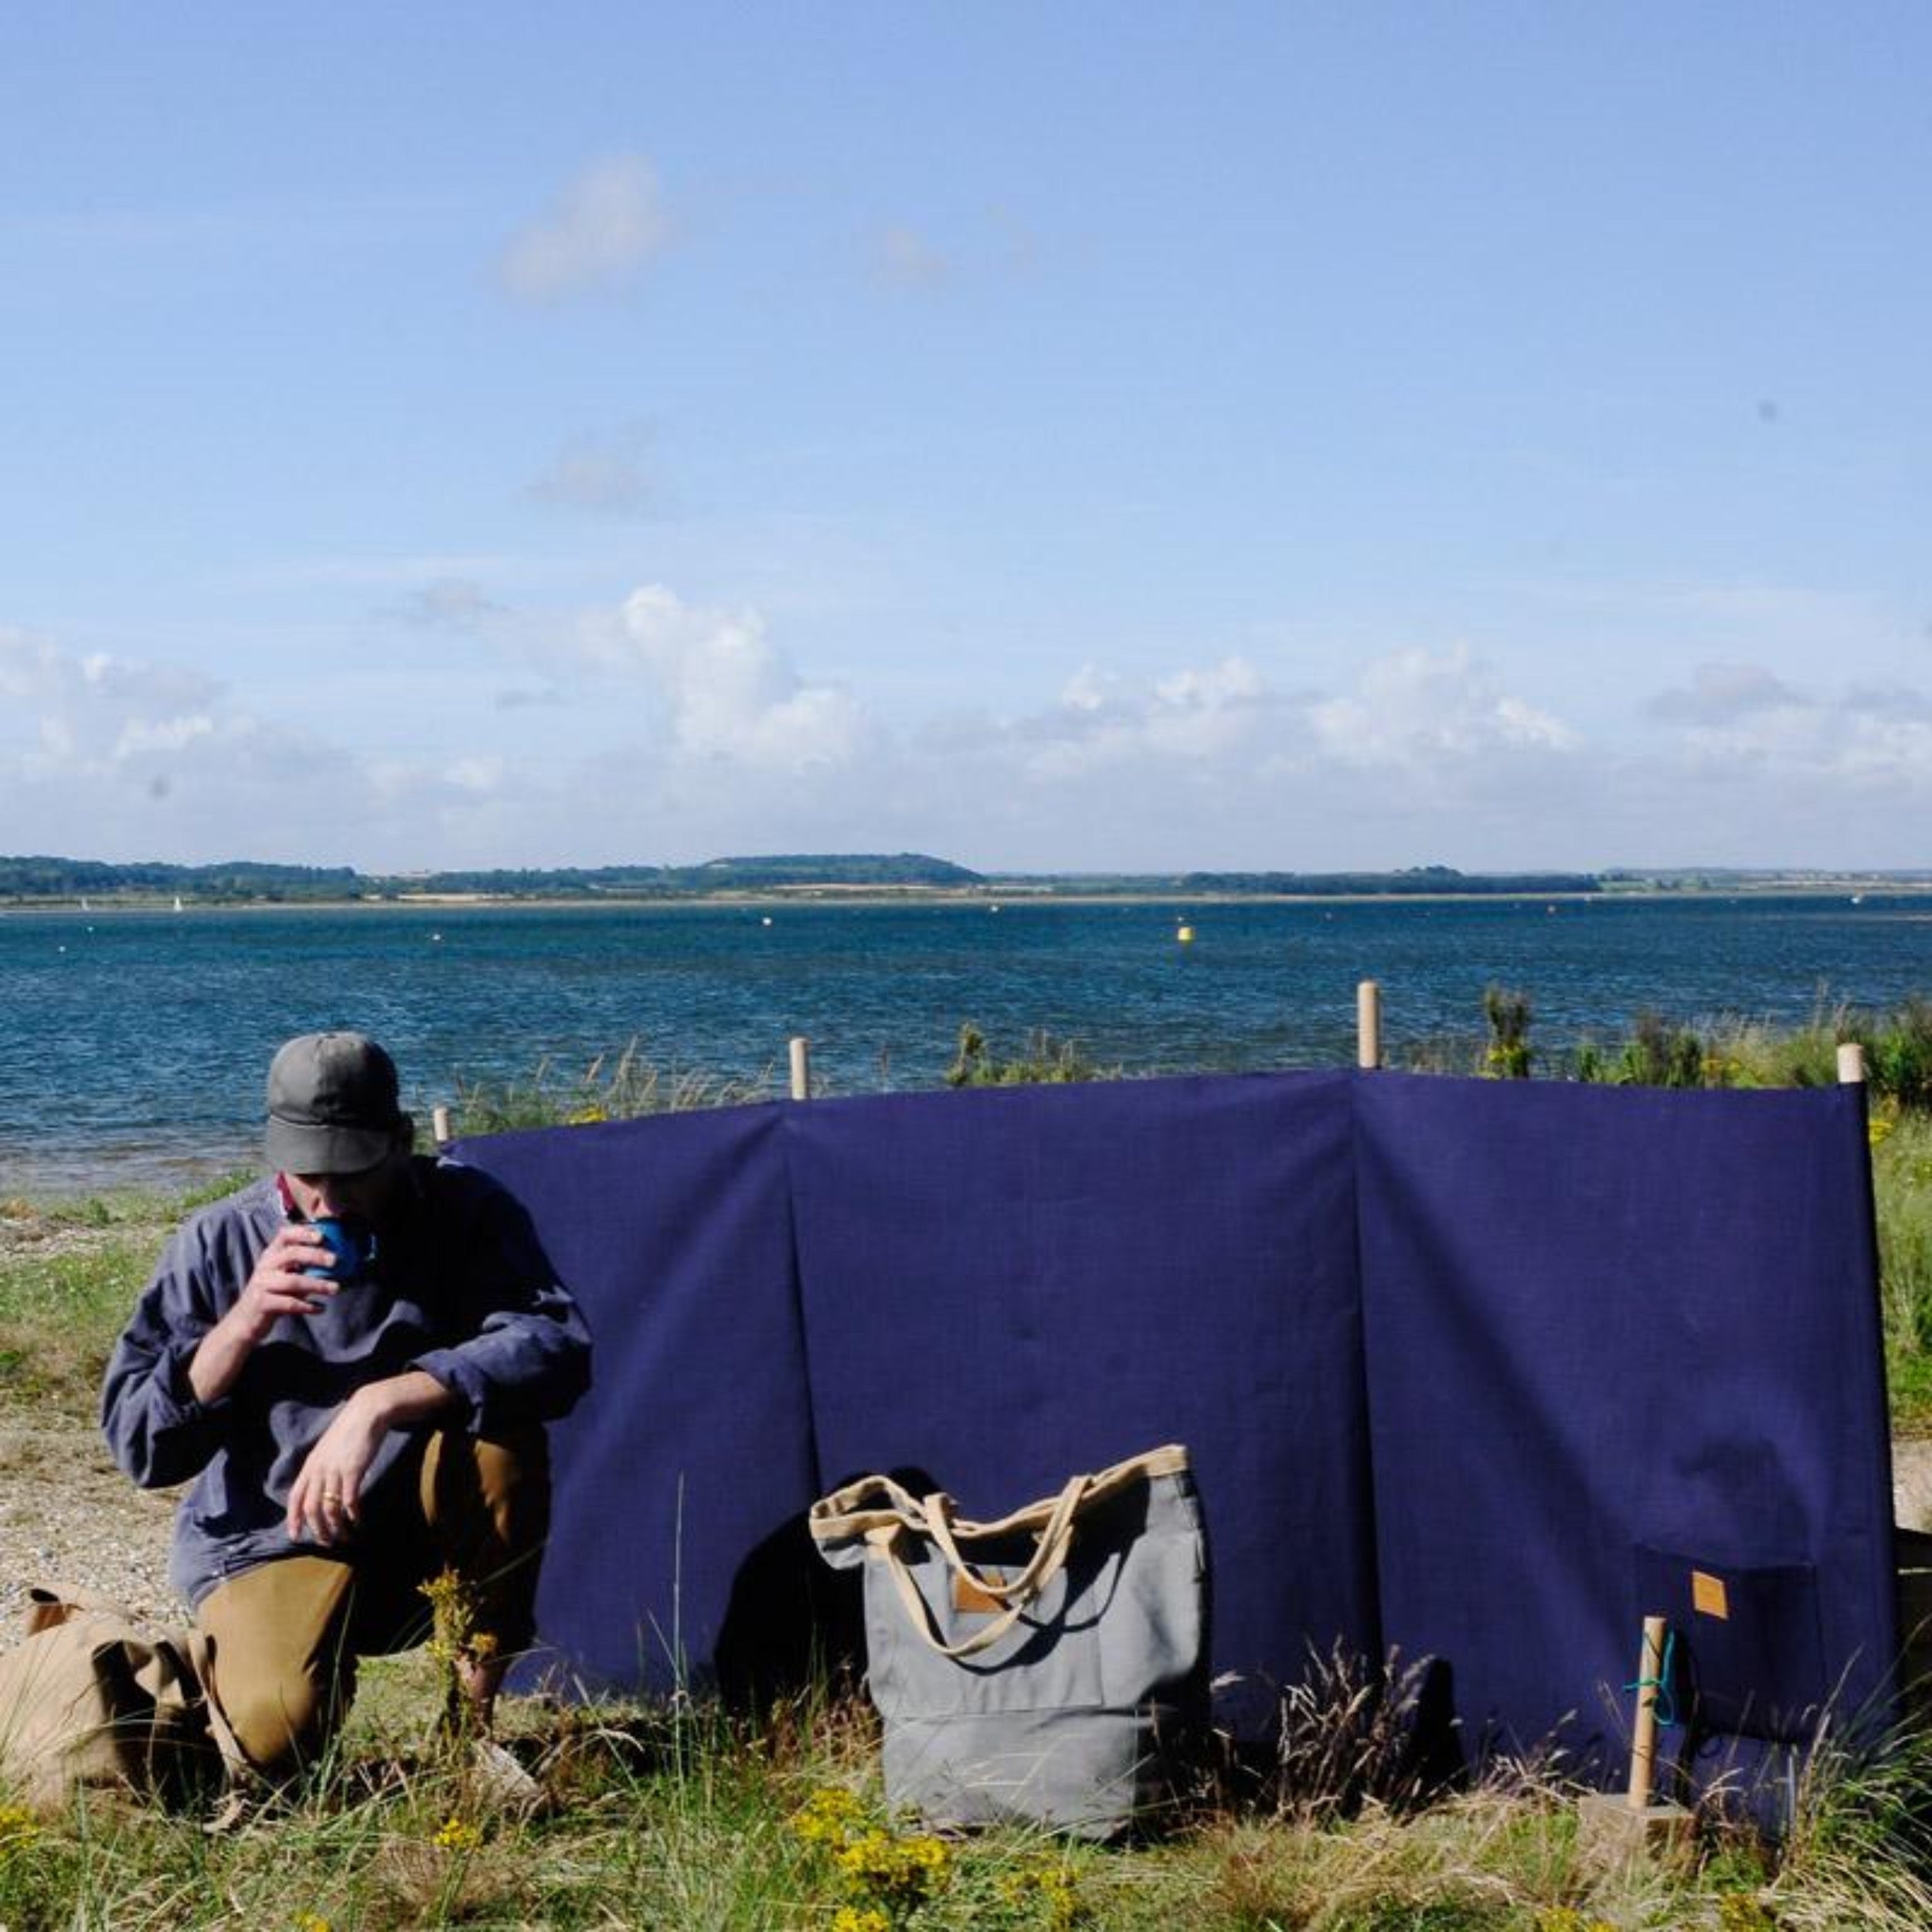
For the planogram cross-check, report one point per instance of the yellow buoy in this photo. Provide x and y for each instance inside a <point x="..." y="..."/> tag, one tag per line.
<point x="1185" y="935"/>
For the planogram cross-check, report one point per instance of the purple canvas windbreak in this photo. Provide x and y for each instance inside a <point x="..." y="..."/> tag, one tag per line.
<point x="1618" y="1340"/>
<point x="676" y="1479"/>
<point x="1481" y="1371"/>
<point x="1004" y="1288"/>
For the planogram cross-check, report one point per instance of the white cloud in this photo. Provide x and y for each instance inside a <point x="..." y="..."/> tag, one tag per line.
<point x="1417" y="709"/>
<point x="1888" y="701"/>
<point x="24" y="663"/>
<point x="374" y="572"/>
<point x="451" y="603"/>
<point x="1193" y="714"/>
<point x="595" y="238"/>
<point x="605" y="474"/>
<point x="662" y="728"/>
<point x="1720" y="693"/>
<point x="1739" y="722"/>
<point x="103" y="756"/>
<point x="95" y="716"/>
<point x="483" y="775"/>
<point x="727" y="693"/>
<point x="904" y="258"/>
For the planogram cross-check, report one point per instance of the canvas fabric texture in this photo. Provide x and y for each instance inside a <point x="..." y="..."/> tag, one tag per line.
<point x="1000" y="1287"/>
<point x="1625" y="1358"/>
<point x="1046" y="1668"/>
<point x="677" y="1550"/>
<point x="1468" y="1371"/>
<point x="96" y="1699"/>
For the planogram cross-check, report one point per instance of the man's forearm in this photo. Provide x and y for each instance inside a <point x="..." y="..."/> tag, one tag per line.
<point x="398" y="1401"/>
<point x="219" y="1361"/>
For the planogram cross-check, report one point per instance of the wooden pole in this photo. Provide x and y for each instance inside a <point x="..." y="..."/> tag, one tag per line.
<point x="1368" y="1025"/>
<point x="801" y="1067"/>
<point x="1851" y="1064"/>
<point x="1613" y="1830"/>
<point x="440" y="1125"/>
<point x="1643" y="1742"/>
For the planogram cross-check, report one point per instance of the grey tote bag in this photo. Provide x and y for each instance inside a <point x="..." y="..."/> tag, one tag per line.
<point x="1046" y="1668"/>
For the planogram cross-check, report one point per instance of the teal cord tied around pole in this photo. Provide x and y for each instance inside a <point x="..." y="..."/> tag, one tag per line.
<point x="1665" y="1708"/>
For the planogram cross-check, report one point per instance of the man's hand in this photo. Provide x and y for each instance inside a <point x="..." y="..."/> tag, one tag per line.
<point x="325" y="1503"/>
<point x="279" y="1285"/>
<point x="283" y="1283"/>
<point x="327" y="1499"/>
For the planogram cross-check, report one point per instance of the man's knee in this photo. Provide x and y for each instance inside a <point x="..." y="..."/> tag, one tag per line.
<point x="282" y="1724"/>
<point x="282" y="1666"/>
<point x="497" y="1488"/>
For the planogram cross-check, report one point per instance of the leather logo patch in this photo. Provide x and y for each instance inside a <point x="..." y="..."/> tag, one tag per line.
<point x="968" y="1597"/>
<point x="1709" y="1597"/>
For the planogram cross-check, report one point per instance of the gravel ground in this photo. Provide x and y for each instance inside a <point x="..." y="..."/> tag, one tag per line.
<point x="68" y="1516"/>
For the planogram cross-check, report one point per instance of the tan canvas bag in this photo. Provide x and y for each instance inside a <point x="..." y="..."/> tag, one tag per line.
<point x="96" y="1699"/>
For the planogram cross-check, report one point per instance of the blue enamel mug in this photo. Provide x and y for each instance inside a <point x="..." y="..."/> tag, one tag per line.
<point x="351" y="1245"/>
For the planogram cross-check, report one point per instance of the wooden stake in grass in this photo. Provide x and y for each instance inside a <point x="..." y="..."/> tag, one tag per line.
<point x="1616" y="1829"/>
<point x="1643" y="1742"/>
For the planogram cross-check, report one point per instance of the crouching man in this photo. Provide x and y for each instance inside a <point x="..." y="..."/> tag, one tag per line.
<point x="353" y="1358"/>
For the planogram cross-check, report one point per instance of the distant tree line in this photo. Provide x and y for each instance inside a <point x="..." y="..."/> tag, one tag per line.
<point x="1414" y="878"/>
<point x="43" y="877"/>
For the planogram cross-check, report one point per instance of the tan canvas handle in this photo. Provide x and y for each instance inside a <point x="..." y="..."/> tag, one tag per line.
<point x="1054" y="1533"/>
<point x="1048" y="1560"/>
<point x="882" y="1512"/>
<point x="851" y="1513"/>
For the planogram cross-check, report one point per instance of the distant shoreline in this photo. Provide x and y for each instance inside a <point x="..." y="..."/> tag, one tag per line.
<point x="1853" y="887"/>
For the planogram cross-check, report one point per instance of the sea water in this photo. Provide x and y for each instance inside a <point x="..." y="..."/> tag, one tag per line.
<point x="134" y="1043"/>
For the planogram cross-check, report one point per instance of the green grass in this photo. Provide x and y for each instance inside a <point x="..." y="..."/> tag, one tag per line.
<point x="1902" y="1189"/>
<point x="658" y="1819"/>
<point x="622" y="1085"/>
<point x="69" y="1276"/>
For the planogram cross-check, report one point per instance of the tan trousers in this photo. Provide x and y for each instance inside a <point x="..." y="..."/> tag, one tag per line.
<point x="287" y="1634"/>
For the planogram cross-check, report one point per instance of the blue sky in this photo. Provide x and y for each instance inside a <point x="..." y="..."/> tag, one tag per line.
<point x="1056" y="438"/>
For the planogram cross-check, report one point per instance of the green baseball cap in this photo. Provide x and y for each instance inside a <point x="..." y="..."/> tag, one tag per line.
<point x="333" y="1105"/>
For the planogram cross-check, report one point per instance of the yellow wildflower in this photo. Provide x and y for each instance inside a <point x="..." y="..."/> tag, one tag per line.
<point x="900" y="1871"/>
<point x="19" y="1828"/>
<point x="830" y="1817"/>
<point x="1043" y="1889"/>
<point x="1566" y="1918"/>
<point x="457" y="1835"/>
<point x="855" y="1918"/>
